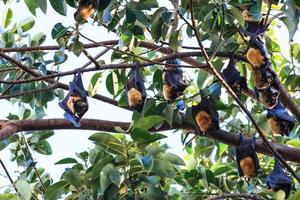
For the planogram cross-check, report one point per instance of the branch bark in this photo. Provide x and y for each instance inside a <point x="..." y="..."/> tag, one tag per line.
<point x="9" y="128"/>
<point x="242" y="196"/>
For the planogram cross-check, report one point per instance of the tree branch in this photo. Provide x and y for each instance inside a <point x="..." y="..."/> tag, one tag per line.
<point x="11" y="127"/>
<point x="243" y="196"/>
<point x="285" y="96"/>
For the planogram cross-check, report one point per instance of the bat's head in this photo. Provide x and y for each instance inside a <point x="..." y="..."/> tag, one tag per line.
<point x="135" y="98"/>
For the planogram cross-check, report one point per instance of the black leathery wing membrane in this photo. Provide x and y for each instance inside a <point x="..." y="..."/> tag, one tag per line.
<point x="75" y="104"/>
<point x="280" y="121"/>
<point x="244" y="151"/>
<point x="278" y="180"/>
<point x="232" y="76"/>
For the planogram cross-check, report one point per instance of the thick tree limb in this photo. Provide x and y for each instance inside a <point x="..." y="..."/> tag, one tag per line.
<point x="12" y="127"/>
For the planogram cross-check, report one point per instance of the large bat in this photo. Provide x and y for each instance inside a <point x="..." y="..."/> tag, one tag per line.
<point x="75" y="104"/>
<point x="205" y="116"/>
<point x="135" y="90"/>
<point x="280" y="121"/>
<point x="246" y="158"/>
<point x="278" y="180"/>
<point x="174" y="85"/>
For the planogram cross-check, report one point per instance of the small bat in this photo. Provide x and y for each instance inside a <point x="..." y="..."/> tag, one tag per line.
<point x="174" y="85"/>
<point x="280" y="121"/>
<point x="263" y="78"/>
<point x="278" y="180"/>
<point x="75" y="104"/>
<point x="85" y="9"/>
<point x="135" y="90"/>
<point x="205" y="115"/>
<point x="232" y="76"/>
<point x="246" y="158"/>
<point x="268" y="97"/>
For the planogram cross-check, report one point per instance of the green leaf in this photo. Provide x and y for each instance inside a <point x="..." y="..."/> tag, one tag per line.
<point x="56" y="190"/>
<point x="146" y="161"/>
<point x="27" y="23"/>
<point x="172" y="158"/>
<point x="156" y="29"/>
<point x="109" y="143"/>
<point x="31" y="5"/>
<point x="109" y="175"/>
<point x="24" y="189"/>
<point x="202" y="76"/>
<point x="43" y="147"/>
<point x="103" y="5"/>
<point x="143" y="136"/>
<point x="8" y="197"/>
<point x="280" y="195"/>
<point x="43" y="5"/>
<point x="26" y="113"/>
<point x="153" y="180"/>
<point x="8" y="38"/>
<point x="94" y="84"/>
<point x="66" y="161"/>
<point x="7" y="17"/>
<point x="148" y="122"/>
<point x="174" y="37"/>
<point x="72" y="177"/>
<point x="77" y="47"/>
<point x="38" y="39"/>
<point x="58" y="31"/>
<point x="237" y="15"/>
<point x="59" y="57"/>
<point x="163" y="168"/>
<point x="112" y="83"/>
<point x="294" y="143"/>
<point x="59" y="6"/>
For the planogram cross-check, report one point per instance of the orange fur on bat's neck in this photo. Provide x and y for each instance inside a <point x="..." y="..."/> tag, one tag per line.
<point x="247" y="16"/>
<point x="167" y="92"/>
<point x="255" y="58"/>
<point x="71" y="101"/>
<point x="274" y="125"/>
<point x="204" y="121"/>
<point x="134" y="97"/>
<point x="86" y="12"/>
<point x="248" y="167"/>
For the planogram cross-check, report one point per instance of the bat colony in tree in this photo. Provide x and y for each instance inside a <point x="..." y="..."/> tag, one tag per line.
<point x="205" y="115"/>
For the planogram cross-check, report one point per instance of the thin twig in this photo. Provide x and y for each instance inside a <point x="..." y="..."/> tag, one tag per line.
<point x="54" y="86"/>
<point x="8" y="175"/>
